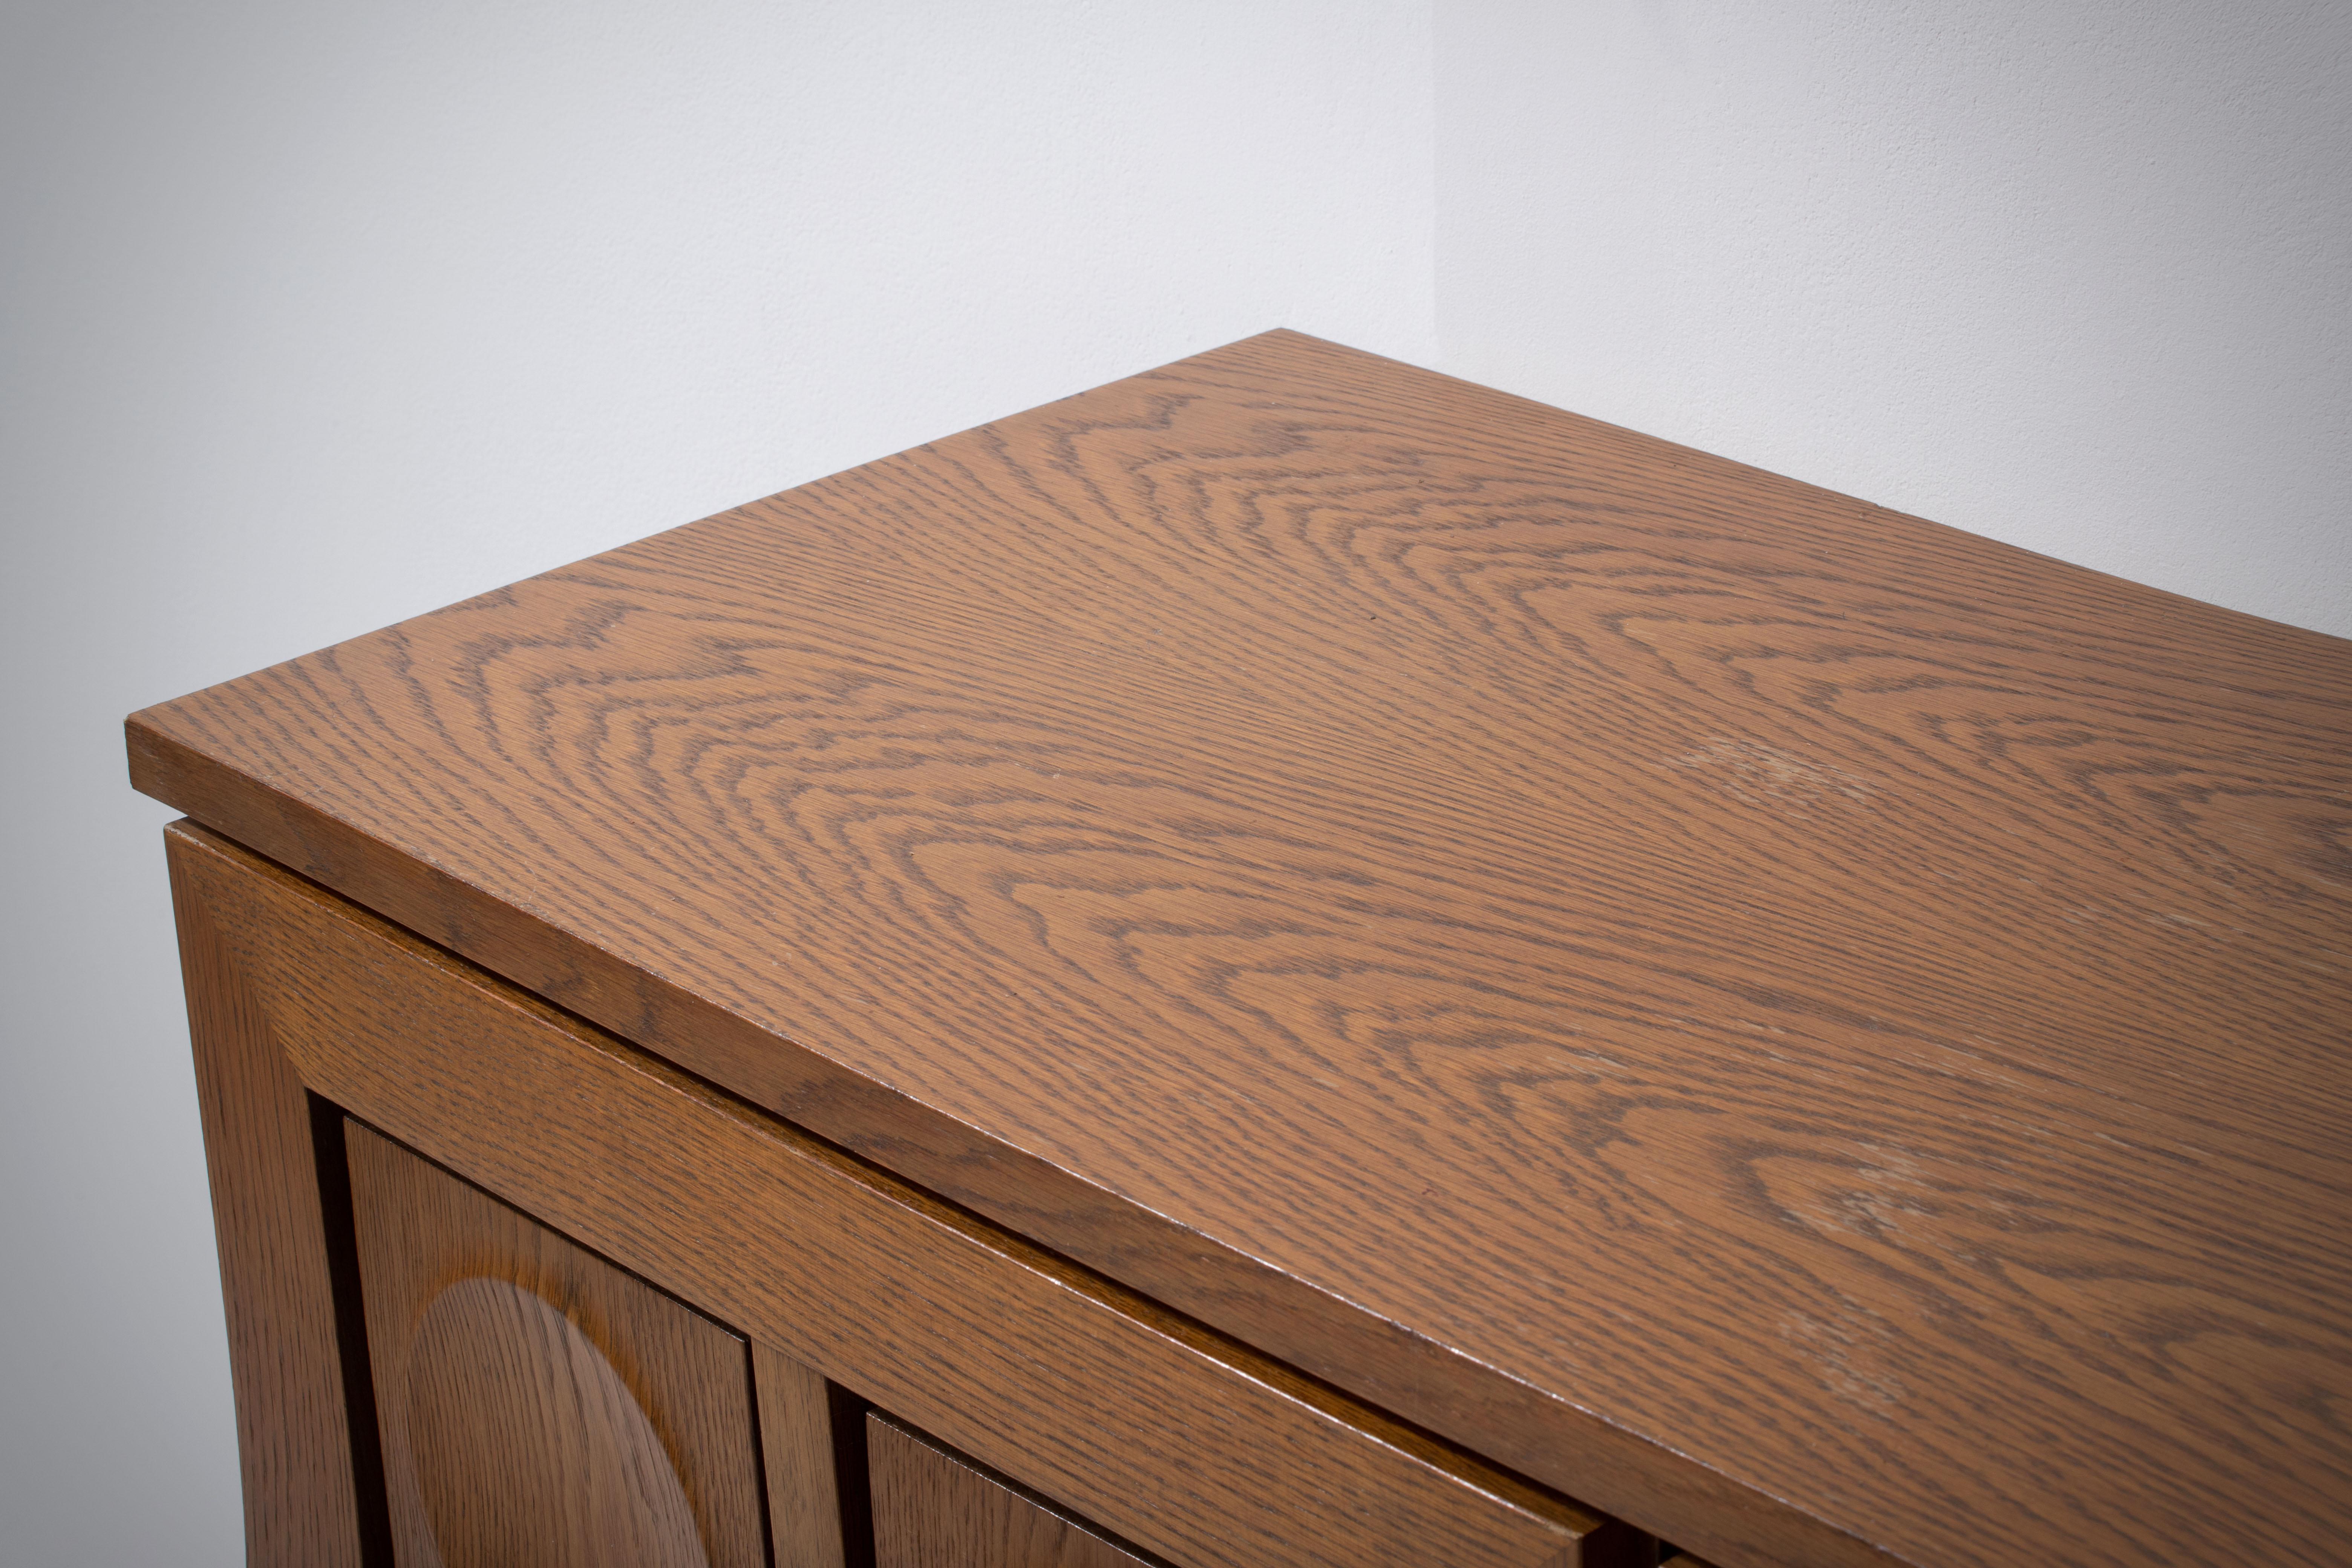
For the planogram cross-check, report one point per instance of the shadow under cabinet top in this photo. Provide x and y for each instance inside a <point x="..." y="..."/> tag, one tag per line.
<point x="1666" y="976"/>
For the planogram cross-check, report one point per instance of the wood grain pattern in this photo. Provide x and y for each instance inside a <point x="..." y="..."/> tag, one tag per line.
<point x="1194" y="1448"/>
<point x="303" y="1505"/>
<point x="1815" y="1032"/>
<point x="526" y="1449"/>
<point x="540" y="1408"/>
<point x="812" y="1439"/>
<point x="933" y="1508"/>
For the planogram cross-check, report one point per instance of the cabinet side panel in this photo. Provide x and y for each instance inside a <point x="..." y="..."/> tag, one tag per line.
<point x="301" y="1498"/>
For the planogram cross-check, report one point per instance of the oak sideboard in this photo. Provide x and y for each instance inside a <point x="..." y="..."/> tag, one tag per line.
<point x="1289" y="962"/>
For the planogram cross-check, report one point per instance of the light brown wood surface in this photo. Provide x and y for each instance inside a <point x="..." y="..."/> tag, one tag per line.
<point x="1818" y="1033"/>
<point x="541" y="1408"/>
<point x="304" y="1504"/>
<point x="933" y="1508"/>
<point x="1196" y="1448"/>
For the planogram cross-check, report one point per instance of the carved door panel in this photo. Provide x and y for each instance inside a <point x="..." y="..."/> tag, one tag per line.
<point x="540" y="1407"/>
<point x="935" y="1508"/>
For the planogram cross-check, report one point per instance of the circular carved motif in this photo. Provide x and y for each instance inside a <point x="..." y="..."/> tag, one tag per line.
<point x="529" y="1449"/>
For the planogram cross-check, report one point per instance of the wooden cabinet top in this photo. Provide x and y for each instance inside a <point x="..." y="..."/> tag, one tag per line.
<point x="1735" y="1002"/>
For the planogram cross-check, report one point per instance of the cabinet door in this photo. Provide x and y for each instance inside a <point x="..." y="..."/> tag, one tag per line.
<point x="934" y="1508"/>
<point x="539" y="1408"/>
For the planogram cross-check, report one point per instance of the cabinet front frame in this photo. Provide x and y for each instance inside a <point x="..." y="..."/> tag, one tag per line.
<point x="1189" y="1444"/>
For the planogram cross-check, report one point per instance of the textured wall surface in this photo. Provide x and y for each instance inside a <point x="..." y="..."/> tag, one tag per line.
<point x="317" y="317"/>
<point x="2077" y="277"/>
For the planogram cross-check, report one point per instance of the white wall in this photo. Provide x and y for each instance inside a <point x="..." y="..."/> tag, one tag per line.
<point x="319" y="316"/>
<point x="316" y="316"/>
<point x="2076" y="276"/>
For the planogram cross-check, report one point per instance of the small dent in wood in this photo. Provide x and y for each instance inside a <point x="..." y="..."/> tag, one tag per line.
<point x="1758" y="775"/>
